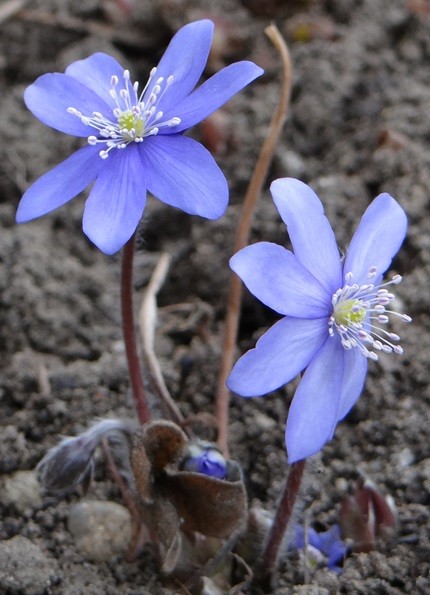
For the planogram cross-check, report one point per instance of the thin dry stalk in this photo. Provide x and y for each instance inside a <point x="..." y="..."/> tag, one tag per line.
<point x="243" y="230"/>
<point x="147" y="321"/>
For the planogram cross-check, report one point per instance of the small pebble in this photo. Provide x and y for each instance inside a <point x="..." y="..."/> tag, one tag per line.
<point x="263" y="421"/>
<point x="22" y="490"/>
<point x="101" y="530"/>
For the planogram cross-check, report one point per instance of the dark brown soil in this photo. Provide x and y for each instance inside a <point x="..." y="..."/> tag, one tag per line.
<point x="359" y="125"/>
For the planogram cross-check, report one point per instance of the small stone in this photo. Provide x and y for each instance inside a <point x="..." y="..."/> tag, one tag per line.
<point x="263" y="421"/>
<point x="291" y="162"/>
<point x="101" y="530"/>
<point x="22" y="490"/>
<point x="24" y="568"/>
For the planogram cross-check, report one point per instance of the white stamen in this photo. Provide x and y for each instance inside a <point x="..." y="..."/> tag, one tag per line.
<point x="135" y="116"/>
<point x="357" y="312"/>
<point x="383" y="319"/>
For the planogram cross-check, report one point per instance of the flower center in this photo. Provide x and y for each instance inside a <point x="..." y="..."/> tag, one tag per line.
<point x="348" y="312"/>
<point x="132" y="126"/>
<point x="135" y="116"/>
<point x="358" y="313"/>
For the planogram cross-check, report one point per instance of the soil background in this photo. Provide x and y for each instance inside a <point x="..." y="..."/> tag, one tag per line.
<point x="359" y="124"/>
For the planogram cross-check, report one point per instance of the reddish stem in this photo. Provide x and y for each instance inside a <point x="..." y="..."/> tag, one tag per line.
<point x="133" y="360"/>
<point x="266" y="563"/>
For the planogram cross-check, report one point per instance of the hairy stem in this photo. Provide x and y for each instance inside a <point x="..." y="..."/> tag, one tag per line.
<point x="133" y="360"/>
<point x="266" y="564"/>
<point x="242" y="234"/>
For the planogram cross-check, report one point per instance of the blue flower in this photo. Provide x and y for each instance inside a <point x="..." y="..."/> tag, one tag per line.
<point x="328" y="543"/>
<point x="334" y="311"/>
<point x="135" y="138"/>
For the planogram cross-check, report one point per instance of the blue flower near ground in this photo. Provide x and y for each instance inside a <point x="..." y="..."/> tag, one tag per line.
<point x="135" y="137"/>
<point x="334" y="311"/>
<point x="328" y="543"/>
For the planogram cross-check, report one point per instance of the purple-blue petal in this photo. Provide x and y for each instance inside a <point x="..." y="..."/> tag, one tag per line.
<point x="354" y="376"/>
<point x="279" y="355"/>
<point x="183" y="174"/>
<point x="301" y="538"/>
<point x="327" y="542"/>
<point x="313" y="412"/>
<point x="61" y="184"/>
<point x="276" y="277"/>
<point x="95" y="72"/>
<point x="212" y="463"/>
<point x="51" y="94"/>
<point x="184" y="59"/>
<point x="336" y="557"/>
<point x="377" y="239"/>
<point x="310" y="232"/>
<point x="213" y="93"/>
<point x="331" y="544"/>
<point x="116" y="202"/>
<point x="324" y="540"/>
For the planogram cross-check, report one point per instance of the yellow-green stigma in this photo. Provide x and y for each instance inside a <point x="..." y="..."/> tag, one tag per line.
<point x="131" y="125"/>
<point x="349" y="312"/>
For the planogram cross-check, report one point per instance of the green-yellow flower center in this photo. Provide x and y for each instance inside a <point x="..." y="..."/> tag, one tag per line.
<point x="131" y="125"/>
<point x="349" y="312"/>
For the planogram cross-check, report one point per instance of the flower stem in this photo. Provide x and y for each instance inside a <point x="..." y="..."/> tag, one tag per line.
<point x="266" y="563"/>
<point x="242" y="234"/>
<point x="134" y="369"/>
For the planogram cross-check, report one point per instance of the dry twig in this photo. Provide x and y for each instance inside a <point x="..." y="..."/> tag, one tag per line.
<point x="242" y="233"/>
<point x="147" y="320"/>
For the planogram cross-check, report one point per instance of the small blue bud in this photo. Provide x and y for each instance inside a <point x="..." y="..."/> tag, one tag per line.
<point x="206" y="460"/>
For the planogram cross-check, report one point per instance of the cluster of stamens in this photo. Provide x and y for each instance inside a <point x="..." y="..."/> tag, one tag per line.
<point x="358" y="313"/>
<point x="136" y="117"/>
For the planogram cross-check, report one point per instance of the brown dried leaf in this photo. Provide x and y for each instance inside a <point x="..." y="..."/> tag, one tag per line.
<point x="164" y="442"/>
<point x="213" y="507"/>
<point x="157" y="444"/>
